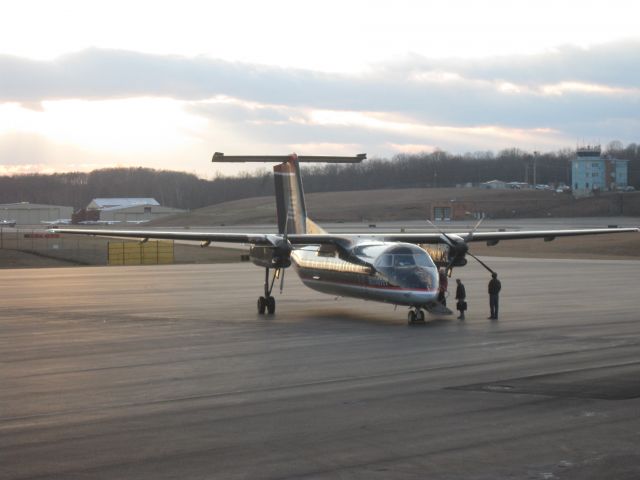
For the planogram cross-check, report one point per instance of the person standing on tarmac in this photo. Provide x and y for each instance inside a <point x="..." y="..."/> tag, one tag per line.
<point x="494" y="295"/>
<point x="461" y="295"/>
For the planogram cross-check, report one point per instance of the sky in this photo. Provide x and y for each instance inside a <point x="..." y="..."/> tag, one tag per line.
<point x="164" y="84"/>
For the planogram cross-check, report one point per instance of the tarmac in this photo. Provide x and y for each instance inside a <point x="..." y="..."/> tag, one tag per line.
<point x="168" y="372"/>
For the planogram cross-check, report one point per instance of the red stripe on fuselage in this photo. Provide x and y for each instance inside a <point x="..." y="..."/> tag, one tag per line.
<point x="378" y="287"/>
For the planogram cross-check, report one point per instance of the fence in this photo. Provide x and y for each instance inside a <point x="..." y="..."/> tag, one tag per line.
<point x="89" y="250"/>
<point x="137" y="253"/>
<point x="84" y="249"/>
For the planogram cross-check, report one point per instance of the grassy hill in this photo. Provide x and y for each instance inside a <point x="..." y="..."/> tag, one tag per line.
<point x="413" y="204"/>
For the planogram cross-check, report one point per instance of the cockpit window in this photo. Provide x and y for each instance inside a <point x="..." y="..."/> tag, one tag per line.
<point x="385" y="261"/>
<point x="423" y="260"/>
<point x="368" y="251"/>
<point x="407" y="267"/>
<point x="403" y="260"/>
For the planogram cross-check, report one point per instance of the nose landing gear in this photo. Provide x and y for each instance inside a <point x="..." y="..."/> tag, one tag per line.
<point x="267" y="303"/>
<point x="415" y="315"/>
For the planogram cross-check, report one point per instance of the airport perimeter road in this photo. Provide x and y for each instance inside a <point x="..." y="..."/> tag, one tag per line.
<point x="169" y="373"/>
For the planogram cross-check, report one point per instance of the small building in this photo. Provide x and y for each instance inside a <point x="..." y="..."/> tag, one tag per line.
<point x="25" y="213"/>
<point x="102" y="203"/>
<point x="134" y="210"/>
<point x="448" y="211"/>
<point x="137" y="213"/>
<point x="591" y="171"/>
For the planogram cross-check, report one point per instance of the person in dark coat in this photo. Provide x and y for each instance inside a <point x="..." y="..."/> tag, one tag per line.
<point x="461" y="296"/>
<point x="494" y="295"/>
<point x="443" y="285"/>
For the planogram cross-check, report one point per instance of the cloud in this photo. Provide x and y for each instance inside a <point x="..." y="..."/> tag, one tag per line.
<point x="542" y="100"/>
<point x="33" y="153"/>
<point x="100" y="74"/>
<point x="614" y="64"/>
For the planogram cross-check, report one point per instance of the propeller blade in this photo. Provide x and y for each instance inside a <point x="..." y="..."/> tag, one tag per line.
<point x="286" y="227"/>
<point x="473" y="230"/>
<point x="283" y="246"/>
<point x="481" y="262"/>
<point x="282" y="280"/>
<point x="446" y="237"/>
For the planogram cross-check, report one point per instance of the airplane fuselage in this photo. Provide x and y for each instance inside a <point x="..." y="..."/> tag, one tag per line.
<point x="396" y="273"/>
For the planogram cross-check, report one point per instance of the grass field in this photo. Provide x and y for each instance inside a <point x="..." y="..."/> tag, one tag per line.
<point x="413" y="204"/>
<point x="611" y="247"/>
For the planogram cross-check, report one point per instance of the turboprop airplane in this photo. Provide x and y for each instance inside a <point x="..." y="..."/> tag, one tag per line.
<point x="396" y="268"/>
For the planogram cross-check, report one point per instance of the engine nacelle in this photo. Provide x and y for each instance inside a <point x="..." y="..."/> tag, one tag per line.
<point x="459" y="262"/>
<point x="269" y="257"/>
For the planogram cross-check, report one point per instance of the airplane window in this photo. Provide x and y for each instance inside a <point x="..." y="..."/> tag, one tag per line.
<point x="403" y="260"/>
<point x="385" y="261"/>
<point x="369" y="251"/>
<point x="423" y="260"/>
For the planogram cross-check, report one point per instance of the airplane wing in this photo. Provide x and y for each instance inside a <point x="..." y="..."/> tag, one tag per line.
<point x="256" y="239"/>
<point x="340" y="239"/>
<point x="265" y="239"/>
<point x="494" y="237"/>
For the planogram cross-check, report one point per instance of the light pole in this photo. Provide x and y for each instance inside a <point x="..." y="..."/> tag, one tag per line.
<point x="435" y="169"/>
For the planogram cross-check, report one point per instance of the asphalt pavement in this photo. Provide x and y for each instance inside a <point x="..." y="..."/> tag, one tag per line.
<point x="166" y="372"/>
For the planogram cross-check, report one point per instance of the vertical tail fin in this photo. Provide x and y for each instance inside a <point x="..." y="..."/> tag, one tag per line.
<point x="290" y="206"/>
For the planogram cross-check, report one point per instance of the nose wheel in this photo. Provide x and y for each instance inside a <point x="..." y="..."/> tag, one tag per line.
<point x="266" y="303"/>
<point x="415" y="315"/>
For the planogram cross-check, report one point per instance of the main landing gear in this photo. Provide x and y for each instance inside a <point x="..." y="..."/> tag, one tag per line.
<point x="267" y="303"/>
<point x="415" y="315"/>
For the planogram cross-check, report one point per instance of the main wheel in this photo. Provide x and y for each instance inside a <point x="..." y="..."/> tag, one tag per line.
<point x="262" y="305"/>
<point x="271" y="305"/>
<point x="420" y="316"/>
<point x="411" y="316"/>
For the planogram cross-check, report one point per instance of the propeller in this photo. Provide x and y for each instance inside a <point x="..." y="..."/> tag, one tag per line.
<point x="282" y="279"/>
<point x="284" y="247"/>
<point x="473" y="230"/>
<point x="458" y="247"/>
<point x="468" y="239"/>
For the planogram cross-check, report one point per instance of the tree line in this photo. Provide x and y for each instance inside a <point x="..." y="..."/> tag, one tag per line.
<point x="187" y="191"/>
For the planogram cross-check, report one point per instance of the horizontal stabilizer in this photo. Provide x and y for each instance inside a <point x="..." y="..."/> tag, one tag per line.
<point x="221" y="157"/>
